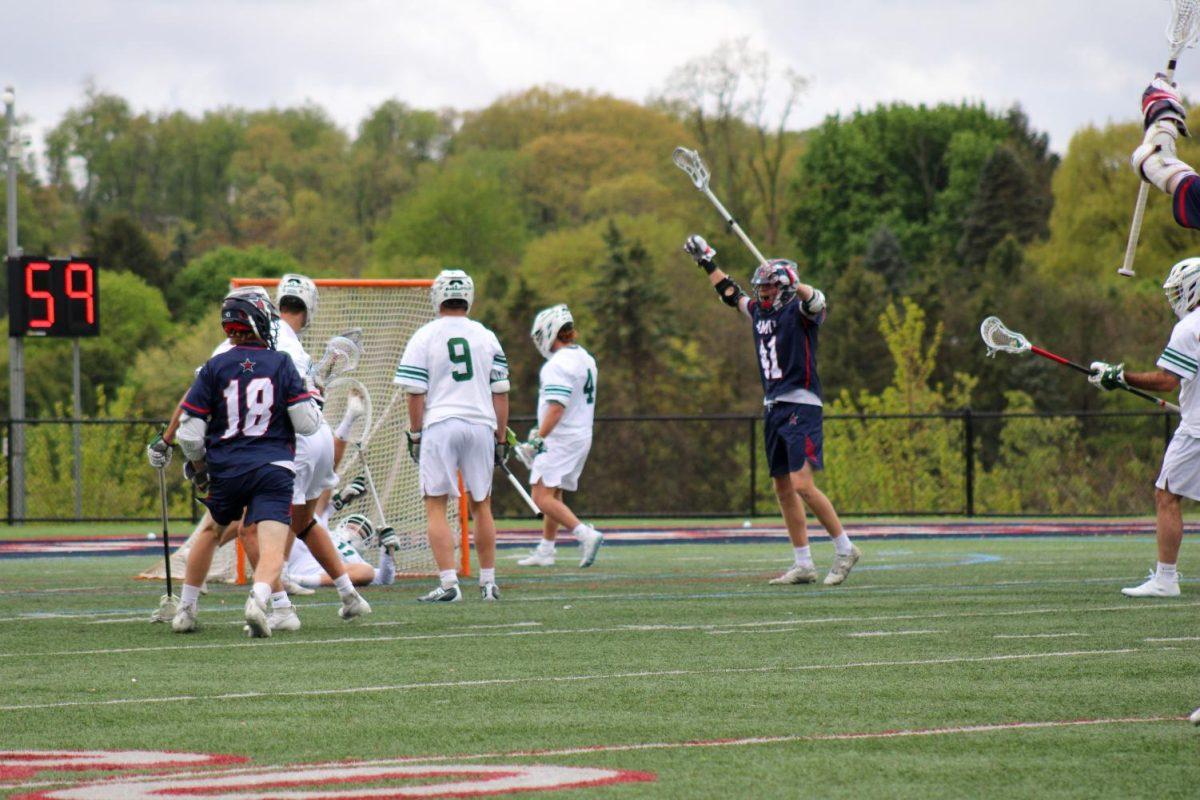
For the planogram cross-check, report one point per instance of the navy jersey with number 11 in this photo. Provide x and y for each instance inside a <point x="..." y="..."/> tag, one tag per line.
<point x="244" y="393"/>
<point x="786" y="343"/>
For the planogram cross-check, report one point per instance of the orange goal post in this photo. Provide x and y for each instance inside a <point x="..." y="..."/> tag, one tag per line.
<point x="386" y="313"/>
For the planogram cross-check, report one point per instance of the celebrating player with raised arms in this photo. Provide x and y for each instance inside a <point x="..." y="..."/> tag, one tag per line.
<point x="786" y="316"/>
<point x="238" y="430"/>
<point x="456" y="378"/>
<point x="558" y="447"/>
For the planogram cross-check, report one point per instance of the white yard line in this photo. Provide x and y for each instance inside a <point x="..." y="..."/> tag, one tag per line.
<point x="863" y="634"/>
<point x="1038" y="635"/>
<point x="576" y="679"/>
<point x="1174" y="639"/>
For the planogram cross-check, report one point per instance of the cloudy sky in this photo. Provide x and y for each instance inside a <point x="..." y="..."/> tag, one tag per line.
<point x="1068" y="62"/>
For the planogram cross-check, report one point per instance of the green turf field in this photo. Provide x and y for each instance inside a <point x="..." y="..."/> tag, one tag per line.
<point x="677" y="663"/>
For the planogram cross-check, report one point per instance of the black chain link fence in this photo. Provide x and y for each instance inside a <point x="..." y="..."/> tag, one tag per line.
<point x="960" y="463"/>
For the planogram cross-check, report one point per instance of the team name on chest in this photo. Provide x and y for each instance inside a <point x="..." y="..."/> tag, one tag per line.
<point x="765" y="327"/>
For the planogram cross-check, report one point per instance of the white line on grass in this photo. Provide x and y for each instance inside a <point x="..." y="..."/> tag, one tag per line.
<point x="859" y="634"/>
<point x="1175" y="639"/>
<point x="671" y="673"/>
<point x="1037" y="635"/>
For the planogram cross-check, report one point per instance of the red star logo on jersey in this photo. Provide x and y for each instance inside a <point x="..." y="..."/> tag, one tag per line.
<point x="247" y="366"/>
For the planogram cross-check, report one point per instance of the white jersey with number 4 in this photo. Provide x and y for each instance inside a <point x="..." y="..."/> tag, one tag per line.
<point x="457" y="364"/>
<point x="1182" y="358"/>
<point x="568" y="378"/>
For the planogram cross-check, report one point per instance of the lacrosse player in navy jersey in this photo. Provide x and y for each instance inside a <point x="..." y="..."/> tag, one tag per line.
<point x="238" y="433"/>
<point x="1156" y="160"/>
<point x="786" y="316"/>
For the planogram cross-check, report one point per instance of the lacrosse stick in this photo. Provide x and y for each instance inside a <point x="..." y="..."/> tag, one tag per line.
<point x="997" y="338"/>
<point x="690" y="162"/>
<point x="168" y="604"/>
<point x="520" y="490"/>
<point x="1181" y="33"/>
<point x="515" y="444"/>
<point x="341" y="356"/>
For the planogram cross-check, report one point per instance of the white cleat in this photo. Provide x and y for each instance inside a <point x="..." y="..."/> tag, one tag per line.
<point x="294" y="589"/>
<point x="353" y="605"/>
<point x="1153" y="587"/>
<point x="442" y="594"/>
<point x="589" y="545"/>
<point x="489" y="591"/>
<point x="1195" y="717"/>
<point x="284" y="619"/>
<point x="256" y="619"/>
<point x="537" y="558"/>
<point x="184" y="620"/>
<point x="797" y="574"/>
<point x="842" y="566"/>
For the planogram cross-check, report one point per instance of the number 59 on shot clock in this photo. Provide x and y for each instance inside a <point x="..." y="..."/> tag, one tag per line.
<point x="53" y="296"/>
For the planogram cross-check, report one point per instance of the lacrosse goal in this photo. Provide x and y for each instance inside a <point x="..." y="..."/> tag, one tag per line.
<point x="387" y="312"/>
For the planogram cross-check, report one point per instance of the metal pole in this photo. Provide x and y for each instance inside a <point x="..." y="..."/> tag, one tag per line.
<point x="16" y="345"/>
<point x="76" y="413"/>
<point x="753" y="483"/>
<point x="969" y="455"/>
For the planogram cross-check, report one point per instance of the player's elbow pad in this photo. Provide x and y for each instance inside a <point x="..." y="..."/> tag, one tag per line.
<point x="190" y="436"/>
<point x="500" y="387"/>
<point x="815" y="304"/>
<point x="730" y="293"/>
<point x="306" y="417"/>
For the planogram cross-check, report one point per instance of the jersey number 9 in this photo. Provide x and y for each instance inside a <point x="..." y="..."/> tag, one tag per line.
<point x="460" y="356"/>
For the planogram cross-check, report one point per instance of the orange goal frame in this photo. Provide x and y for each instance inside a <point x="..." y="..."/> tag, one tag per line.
<point x="372" y="283"/>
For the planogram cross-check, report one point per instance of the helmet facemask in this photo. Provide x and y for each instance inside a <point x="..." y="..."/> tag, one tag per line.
<point x="780" y="273"/>
<point x="547" y="325"/>
<point x="1182" y="286"/>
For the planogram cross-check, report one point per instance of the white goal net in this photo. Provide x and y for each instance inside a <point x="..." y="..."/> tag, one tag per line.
<point x="387" y="312"/>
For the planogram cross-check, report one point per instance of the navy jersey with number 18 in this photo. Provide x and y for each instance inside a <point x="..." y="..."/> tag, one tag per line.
<point x="786" y="343"/>
<point x="244" y="393"/>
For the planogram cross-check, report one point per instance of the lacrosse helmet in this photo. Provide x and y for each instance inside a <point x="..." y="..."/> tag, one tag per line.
<point x="249" y="311"/>
<point x="357" y="531"/>
<point x="301" y="288"/>
<point x="1182" y="286"/>
<point x="452" y="284"/>
<point x="547" y="325"/>
<point x="776" y="272"/>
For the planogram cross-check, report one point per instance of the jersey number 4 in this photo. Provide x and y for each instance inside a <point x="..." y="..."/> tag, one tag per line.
<point x="770" y="361"/>
<point x="589" y="388"/>
<point x="260" y="397"/>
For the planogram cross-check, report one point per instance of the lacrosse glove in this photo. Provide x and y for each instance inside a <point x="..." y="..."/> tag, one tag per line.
<point x="1161" y="100"/>
<point x="414" y="445"/>
<point x="198" y="476"/>
<point x="701" y="253"/>
<point x="159" y="453"/>
<point x="351" y="492"/>
<point x="1107" y="376"/>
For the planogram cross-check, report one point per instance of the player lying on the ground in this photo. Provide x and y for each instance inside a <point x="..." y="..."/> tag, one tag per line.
<point x="455" y="375"/>
<point x="558" y="446"/>
<point x="785" y="317"/>
<point x="352" y="538"/>
<point x="238" y="432"/>
<point x="1180" y="473"/>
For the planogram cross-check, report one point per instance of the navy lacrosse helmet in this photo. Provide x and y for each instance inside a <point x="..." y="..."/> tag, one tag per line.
<point x="249" y="313"/>
<point x="777" y="272"/>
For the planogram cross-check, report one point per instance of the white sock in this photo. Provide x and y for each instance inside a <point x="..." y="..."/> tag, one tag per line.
<point x="262" y="591"/>
<point x="189" y="596"/>
<point x="1166" y="572"/>
<point x="842" y="545"/>
<point x="343" y="428"/>
<point x="343" y="585"/>
<point x="385" y="575"/>
<point x="280" y="600"/>
<point x="803" y="556"/>
<point x="487" y="576"/>
<point x="546" y="546"/>
<point x="449" y="577"/>
<point x="581" y="530"/>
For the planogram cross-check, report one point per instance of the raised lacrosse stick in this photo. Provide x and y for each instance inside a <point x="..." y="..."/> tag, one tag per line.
<point x="341" y="356"/>
<point x="1181" y="33"/>
<point x="690" y="162"/>
<point x="997" y="338"/>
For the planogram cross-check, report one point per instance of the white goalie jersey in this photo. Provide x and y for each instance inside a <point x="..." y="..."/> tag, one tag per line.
<point x="569" y="378"/>
<point x="1182" y="358"/>
<point x="458" y="365"/>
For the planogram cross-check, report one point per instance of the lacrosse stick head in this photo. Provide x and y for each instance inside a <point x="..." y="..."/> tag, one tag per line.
<point x="341" y="356"/>
<point x="1184" y="25"/>
<point x="997" y="338"/>
<point x="690" y="162"/>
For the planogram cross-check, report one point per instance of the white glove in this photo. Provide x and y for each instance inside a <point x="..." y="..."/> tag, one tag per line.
<point x="159" y="453"/>
<point x="701" y="252"/>
<point x="1107" y="376"/>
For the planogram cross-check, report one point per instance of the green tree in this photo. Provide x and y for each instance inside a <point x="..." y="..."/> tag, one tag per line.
<point x="197" y="290"/>
<point x="1006" y="204"/>
<point x="121" y="244"/>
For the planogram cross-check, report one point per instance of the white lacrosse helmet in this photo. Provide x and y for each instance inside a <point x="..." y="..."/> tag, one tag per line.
<point x="1182" y="286"/>
<point x="546" y="326"/>
<point x="452" y="284"/>
<point x="357" y="531"/>
<point x="303" y="289"/>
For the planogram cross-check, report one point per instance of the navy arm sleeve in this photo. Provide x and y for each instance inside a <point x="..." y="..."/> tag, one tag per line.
<point x="198" y="401"/>
<point x="1186" y="202"/>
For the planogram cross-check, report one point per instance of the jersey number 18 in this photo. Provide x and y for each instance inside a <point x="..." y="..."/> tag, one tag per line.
<point x="260" y="396"/>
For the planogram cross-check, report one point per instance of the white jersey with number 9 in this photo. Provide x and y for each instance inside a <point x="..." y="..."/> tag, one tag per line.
<point x="458" y="365"/>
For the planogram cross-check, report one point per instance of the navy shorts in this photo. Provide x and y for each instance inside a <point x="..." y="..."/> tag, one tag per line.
<point x="265" y="493"/>
<point x="793" y="436"/>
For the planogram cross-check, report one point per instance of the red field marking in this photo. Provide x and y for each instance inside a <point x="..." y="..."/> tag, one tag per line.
<point x="338" y="781"/>
<point x="20" y="764"/>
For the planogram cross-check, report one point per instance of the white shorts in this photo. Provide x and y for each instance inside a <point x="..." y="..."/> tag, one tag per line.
<point x="453" y="446"/>
<point x="1181" y="467"/>
<point x="301" y="564"/>
<point x="562" y="463"/>
<point x="314" y="466"/>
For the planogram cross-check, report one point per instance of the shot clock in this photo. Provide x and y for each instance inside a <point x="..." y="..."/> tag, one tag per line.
<point x="53" y="296"/>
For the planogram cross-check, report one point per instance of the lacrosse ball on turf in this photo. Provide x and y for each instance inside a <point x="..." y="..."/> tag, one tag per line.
<point x="746" y="524"/>
<point x="150" y="536"/>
